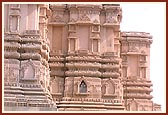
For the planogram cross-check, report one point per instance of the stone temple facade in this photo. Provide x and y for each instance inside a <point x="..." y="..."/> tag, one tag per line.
<point x="73" y="57"/>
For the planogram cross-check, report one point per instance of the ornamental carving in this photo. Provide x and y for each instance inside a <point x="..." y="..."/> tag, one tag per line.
<point x="60" y="73"/>
<point x="133" y="106"/>
<point x="124" y="58"/>
<point x="28" y="70"/>
<point x="72" y="20"/>
<point x="95" y="28"/>
<point x="57" y="18"/>
<point x="84" y="18"/>
<point x="114" y="16"/>
<point x="96" y="21"/>
<point x="82" y="86"/>
<point x="108" y="88"/>
<point x="133" y="49"/>
<point x="10" y="74"/>
<point x="112" y="19"/>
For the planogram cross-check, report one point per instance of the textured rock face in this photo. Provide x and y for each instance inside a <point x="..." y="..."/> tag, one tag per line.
<point x="74" y="56"/>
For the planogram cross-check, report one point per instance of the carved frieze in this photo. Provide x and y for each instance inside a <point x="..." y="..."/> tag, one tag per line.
<point x="57" y="13"/>
<point x="133" y="49"/>
<point x="114" y="16"/>
<point x="57" y="18"/>
<point x="84" y="18"/>
<point x="83" y="73"/>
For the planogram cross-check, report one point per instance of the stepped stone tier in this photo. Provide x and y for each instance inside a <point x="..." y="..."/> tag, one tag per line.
<point x="73" y="57"/>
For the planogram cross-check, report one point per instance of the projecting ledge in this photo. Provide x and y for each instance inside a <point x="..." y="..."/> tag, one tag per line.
<point x="29" y="79"/>
<point x="82" y="94"/>
<point x="110" y="95"/>
<point x="57" y="23"/>
<point x="56" y="94"/>
<point x="130" y="53"/>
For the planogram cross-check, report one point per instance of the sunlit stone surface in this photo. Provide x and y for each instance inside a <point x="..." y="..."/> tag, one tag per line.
<point x="74" y="58"/>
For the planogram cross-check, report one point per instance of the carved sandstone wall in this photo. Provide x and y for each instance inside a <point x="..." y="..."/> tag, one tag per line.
<point x="74" y="56"/>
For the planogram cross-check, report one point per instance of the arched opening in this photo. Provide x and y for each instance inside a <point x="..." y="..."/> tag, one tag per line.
<point x="29" y="72"/>
<point x="111" y="88"/>
<point x="133" y="106"/>
<point x="83" y="87"/>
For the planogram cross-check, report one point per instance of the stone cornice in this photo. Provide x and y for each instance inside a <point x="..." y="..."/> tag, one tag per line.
<point x="136" y="34"/>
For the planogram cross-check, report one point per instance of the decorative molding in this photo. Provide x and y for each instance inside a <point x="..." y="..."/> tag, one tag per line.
<point x="84" y="18"/>
<point x="57" y="18"/>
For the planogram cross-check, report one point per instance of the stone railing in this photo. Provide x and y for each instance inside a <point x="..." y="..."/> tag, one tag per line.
<point x="10" y="84"/>
<point x="30" y="85"/>
<point x="112" y="101"/>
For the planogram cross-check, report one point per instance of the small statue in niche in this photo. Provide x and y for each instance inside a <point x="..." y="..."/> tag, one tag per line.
<point x="83" y="87"/>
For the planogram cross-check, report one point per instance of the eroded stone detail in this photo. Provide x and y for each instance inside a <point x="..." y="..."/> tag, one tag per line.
<point x="74" y="55"/>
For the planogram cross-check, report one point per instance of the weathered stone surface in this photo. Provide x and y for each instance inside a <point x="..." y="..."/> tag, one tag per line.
<point x="73" y="57"/>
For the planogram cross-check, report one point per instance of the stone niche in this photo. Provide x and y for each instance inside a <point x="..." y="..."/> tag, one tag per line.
<point x="28" y="71"/>
<point x="140" y="105"/>
<point x="133" y="106"/>
<point x="57" y="84"/>
<point x="110" y="88"/>
<point x="83" y="36"/>
<point x="82" y="87"/>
